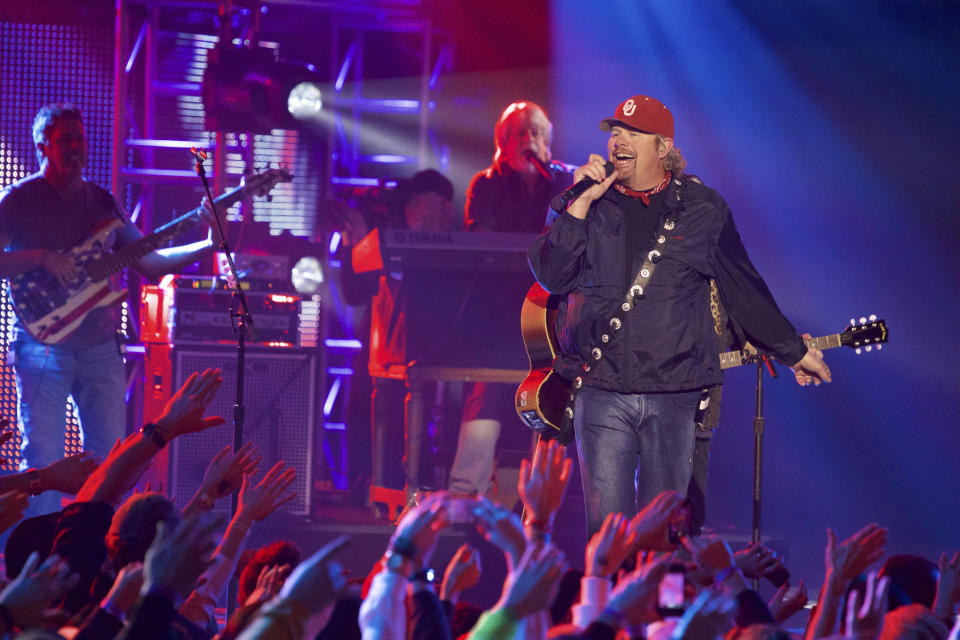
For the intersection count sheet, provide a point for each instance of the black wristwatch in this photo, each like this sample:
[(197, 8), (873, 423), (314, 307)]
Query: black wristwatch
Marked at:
[(149, 430), (424, 575)]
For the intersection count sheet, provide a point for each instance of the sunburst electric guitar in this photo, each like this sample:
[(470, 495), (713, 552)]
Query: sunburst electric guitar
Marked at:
[(50, 311), (542, 397)]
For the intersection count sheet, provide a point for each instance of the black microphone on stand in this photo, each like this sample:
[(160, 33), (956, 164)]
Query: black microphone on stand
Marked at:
[(561, 200)]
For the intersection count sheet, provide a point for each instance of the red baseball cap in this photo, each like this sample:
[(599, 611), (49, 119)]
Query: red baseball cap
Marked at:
[(642, 113)]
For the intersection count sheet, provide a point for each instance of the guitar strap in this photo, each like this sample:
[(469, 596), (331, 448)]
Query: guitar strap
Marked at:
[(635, 292)]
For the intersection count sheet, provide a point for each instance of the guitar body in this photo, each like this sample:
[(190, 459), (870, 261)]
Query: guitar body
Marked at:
[(542, 396), (50, 311)]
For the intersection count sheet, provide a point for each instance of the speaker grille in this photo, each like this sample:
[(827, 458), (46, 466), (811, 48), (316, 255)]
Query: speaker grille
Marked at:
[(279, 399)]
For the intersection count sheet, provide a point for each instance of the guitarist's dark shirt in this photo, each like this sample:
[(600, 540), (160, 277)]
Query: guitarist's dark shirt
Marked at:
[(34, 216)]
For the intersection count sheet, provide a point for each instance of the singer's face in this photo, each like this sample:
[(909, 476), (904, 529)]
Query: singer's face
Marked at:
[(637, 157), (527, 131), (65, 150)]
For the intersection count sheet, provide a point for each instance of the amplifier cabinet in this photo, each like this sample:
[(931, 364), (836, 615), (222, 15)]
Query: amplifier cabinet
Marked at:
[(280, 402)]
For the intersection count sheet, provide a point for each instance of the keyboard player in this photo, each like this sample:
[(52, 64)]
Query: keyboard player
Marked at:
[(511, 195)]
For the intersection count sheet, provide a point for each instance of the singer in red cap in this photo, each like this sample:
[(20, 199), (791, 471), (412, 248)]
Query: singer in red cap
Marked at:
[(42, 216), (633, 257)]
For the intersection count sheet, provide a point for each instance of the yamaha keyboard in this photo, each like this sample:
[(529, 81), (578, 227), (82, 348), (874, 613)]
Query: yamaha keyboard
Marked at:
[(398, 250)]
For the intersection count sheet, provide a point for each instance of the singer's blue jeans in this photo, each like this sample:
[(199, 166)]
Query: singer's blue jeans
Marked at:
[(632, 447)]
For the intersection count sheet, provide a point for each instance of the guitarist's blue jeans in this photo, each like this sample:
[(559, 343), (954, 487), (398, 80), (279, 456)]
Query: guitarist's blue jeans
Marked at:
[(632, 447), (46, 375)]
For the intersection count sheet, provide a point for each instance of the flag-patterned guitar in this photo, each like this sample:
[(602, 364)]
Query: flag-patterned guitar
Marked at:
[(50, 311)]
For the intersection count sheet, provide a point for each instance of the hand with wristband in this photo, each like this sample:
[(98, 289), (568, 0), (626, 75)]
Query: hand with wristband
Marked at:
[(183, 413), (609, 547), (542, 485), (714, 554), (416, 535)]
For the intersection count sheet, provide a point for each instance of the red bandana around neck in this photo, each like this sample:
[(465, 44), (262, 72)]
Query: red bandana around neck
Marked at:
[(644, 195)]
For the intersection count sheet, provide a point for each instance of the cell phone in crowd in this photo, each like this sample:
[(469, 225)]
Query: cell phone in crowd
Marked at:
[(671, 595), (460, 510), (680, 525)]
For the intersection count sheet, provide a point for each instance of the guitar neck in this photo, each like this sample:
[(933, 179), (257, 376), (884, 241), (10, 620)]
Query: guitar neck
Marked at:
[(730, 359), (126, 256)]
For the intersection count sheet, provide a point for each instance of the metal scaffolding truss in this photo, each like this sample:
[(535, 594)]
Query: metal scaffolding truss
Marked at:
[(361, 150)]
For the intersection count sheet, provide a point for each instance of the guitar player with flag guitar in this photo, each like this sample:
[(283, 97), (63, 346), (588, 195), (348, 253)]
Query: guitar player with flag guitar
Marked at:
[(63, 237)]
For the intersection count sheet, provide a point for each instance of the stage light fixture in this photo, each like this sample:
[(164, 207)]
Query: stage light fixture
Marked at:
[(307, 275), (250, 90), (305, 101)]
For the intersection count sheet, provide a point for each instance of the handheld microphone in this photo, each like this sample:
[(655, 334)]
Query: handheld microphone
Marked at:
[(561, 200)]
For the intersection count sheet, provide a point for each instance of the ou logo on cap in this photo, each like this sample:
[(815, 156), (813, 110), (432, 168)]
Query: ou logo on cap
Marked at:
[(629, 107)]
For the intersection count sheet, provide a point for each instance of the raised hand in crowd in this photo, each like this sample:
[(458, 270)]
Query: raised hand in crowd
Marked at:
[(415, 537), (633, 601), (609, 547), (306, 598), (865, 620), (788, 601), (184, 410), (127, 461), (12, 505), (843, 562), (708, 617), (533, 584), (258, 501), (713, 554), (125, 591), (650, 526), (541, 486), (847, 560), (756, 561), (462, 572), (223, 476), (68, 474), (269, 581), (501, 528), (27, 598), (948, 586), (176, 559)]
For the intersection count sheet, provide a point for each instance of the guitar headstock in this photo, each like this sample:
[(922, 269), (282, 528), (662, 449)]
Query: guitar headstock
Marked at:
[(260, 183), (865, 334)]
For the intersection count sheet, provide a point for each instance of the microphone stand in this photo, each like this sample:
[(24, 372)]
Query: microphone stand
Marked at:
[(758, 430), (241, 321)]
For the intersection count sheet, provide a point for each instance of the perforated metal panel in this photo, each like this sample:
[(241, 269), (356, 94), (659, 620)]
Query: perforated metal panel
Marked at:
[(279, 400)]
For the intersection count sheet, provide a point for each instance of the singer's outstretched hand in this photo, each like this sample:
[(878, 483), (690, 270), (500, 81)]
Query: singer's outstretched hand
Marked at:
[(594, 170)]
